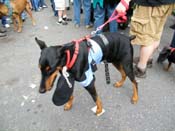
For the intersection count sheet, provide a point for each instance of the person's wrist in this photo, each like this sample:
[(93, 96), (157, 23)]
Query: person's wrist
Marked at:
[(125, 3)]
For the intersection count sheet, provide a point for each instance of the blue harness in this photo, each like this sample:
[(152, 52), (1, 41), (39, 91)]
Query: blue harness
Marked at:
[(95, 54)]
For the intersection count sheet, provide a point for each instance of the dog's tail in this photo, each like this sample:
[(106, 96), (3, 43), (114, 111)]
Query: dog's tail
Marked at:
[(132, 37)]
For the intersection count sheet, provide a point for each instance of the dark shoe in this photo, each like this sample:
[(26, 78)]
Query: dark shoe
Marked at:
[(89, 26), (62, 22), (2, 34), (3, 30), (149, 63), (67, 19), (140, 73), (68, 8), (81, 10)]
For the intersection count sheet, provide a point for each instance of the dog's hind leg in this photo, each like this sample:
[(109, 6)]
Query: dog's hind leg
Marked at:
[(128, 68), (68, 105), (28, 10), (123, 74), (168, 67), (92, 91)]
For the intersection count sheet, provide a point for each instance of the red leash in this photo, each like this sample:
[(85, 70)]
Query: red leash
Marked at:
[(120, 17)]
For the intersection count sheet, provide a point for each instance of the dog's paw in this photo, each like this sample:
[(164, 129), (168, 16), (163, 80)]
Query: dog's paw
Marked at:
[(67, 106), (34, 23), (19, 30), (134, 101), (118, 84), (98, 111)]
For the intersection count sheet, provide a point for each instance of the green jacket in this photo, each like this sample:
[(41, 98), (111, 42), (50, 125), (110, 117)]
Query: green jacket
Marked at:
[(97, 1)]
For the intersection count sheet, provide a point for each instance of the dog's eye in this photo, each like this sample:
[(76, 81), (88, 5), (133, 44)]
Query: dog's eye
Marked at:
[(47, 68)]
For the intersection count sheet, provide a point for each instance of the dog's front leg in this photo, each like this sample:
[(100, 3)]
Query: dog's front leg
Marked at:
[(19, 22), (92, 91), (14, 23), (68, 105)]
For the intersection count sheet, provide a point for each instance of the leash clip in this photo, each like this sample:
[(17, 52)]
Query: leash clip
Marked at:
[(93, 33), (66, 75)]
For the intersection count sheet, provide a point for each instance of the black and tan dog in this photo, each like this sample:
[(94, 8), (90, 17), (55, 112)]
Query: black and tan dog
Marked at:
[(167, 53), (14, 10), (76, 61)]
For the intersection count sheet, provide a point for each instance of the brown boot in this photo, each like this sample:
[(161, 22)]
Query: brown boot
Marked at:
[(140, 73), (149, 63)]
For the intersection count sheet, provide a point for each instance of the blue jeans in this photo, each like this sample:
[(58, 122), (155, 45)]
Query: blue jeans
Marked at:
[(86, 9), (35, 4), (3, 20), (53, 7), (99, 16), (41, 3), (173, 41), (23, 15)]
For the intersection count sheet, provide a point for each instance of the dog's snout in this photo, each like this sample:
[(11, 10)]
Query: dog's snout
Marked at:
[(42, 90)]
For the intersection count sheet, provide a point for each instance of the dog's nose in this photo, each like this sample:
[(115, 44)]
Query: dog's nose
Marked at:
[(42, 90)]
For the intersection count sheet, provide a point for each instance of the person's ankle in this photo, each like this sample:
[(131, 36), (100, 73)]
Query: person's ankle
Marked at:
[(141, 66)]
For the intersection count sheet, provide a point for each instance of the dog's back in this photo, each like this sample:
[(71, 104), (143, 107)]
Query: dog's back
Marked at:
[(119, 46), (18, 5)]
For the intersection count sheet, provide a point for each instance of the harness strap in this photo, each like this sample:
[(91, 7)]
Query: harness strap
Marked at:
[(107, 74), (70, 62), (172, 49), (104, 39)]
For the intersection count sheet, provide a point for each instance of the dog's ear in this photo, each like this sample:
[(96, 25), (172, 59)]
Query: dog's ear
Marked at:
[(41, 43)]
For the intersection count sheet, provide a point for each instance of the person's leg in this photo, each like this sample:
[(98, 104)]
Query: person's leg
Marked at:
[(23, 16), (36, 5), (43, 4), (53, 8), (76, 6), (113, 25), (99, 16), (2, 31), (65, 17), (87, 11), (146, 53)]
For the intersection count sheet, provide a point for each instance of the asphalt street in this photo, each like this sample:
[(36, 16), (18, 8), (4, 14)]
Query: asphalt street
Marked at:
[(22, 108)]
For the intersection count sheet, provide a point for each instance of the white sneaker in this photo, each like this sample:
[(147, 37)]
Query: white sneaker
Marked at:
[(7, 25)]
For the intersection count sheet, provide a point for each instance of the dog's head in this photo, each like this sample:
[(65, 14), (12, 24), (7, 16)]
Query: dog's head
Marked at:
[(51, 62), (3, 10), (166, 51)]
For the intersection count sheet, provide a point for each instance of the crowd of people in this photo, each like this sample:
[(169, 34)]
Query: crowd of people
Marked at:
[(147, 22)]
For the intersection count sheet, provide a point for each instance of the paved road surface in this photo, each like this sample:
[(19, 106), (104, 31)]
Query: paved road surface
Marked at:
[(22, 108)]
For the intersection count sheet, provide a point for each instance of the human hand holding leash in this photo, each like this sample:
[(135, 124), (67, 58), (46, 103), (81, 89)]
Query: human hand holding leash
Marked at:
[(123, 6)]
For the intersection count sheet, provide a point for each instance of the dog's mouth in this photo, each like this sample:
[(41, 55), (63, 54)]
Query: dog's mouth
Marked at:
[(49, 82)]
